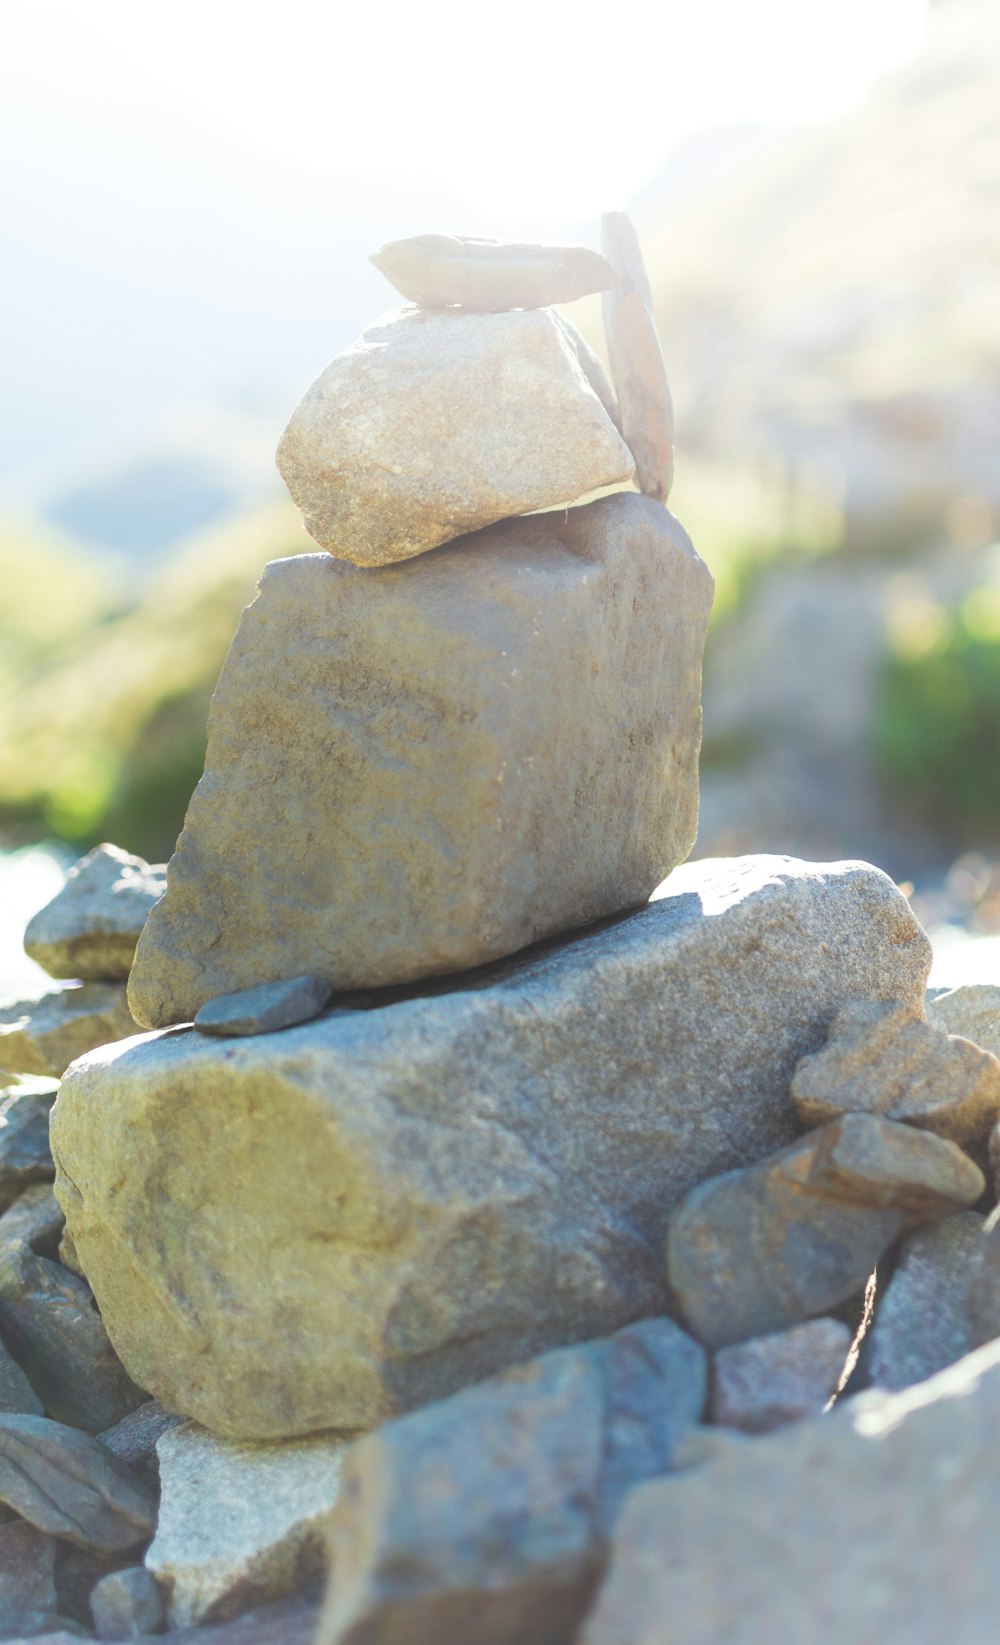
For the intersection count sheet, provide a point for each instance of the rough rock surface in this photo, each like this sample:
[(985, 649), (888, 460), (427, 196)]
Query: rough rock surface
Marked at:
[(922, 1322), (134, 1437), (27, 1572), (884, 1059), (433, 425), (438, 270), (127, 1604), (592, 367), (91, 927), (760, 1249), (264, 1009), (16, 1392), (972, 1011), (875, 1523), (463, 737), (239, 1524), (984, 1284), (44, 1035), (764, 1383), (414, 1197), (69, 1485), (25, 1156), (637, 370), (486, 1516)]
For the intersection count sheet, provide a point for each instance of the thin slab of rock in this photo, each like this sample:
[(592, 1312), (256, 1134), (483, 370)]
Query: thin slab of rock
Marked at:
[(127, 1604), (922, 1323), (44, 1035), (441, 270), (69, 1485), (239, 1524), (487, 1516), (637, 368), (264, 1009), (134, 1437), (875, 1523), (762, 1384), (463, 737), (885, 1059), (414, 1196), (90, 928), (25, 1156), (758, 1250)]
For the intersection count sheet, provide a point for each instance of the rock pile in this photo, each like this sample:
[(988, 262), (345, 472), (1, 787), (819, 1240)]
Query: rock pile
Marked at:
[(476, 1201)]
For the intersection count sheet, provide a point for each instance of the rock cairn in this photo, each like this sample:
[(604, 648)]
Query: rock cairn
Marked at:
[(442, 1291)]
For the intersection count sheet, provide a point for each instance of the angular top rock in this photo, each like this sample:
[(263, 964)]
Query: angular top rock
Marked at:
[(432, 425), (444, 270), (90, 929)]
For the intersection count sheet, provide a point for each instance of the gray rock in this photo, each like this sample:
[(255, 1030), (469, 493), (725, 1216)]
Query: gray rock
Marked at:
[(984, 1284), (78, 1571), (33, 1223), (972, 1011), (66, 1252), (637, 368), (487, 1516), (67, 1484), (757, 1250), (885, 1059), (44, 1035), (764, 1383), (434, 425), (239, 1524), (439, 826), (25, 1156), (27, 1572), (414, 1197), (592, 367), (16, 1392), (289, 1622), (263, 1010), (922, 1323), (126, 1604), (438, 270), (45, 1626), (91, 927), (875, 1523), (133, 1438)]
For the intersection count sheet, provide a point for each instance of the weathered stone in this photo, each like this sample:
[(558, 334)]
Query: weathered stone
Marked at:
[(44, 1627), (874, 1523), (78, 1571), (66, 1252), (25, 1156), (134, 1437), (637, 368), (972, 1011), (984, 1284), (414, 1197), (922, 1323), (27, 1572), (764, 1383), (265, 1009), (239, 1524), (16, 1392), (434, 425), (289, 1622), (757, 1250), (44, 1035), (441, 270), (126, 1604), (487, 1516), (68, 1485), (463, 738), (592, 367), (884, 1059), (33, 1223), (91, 927)]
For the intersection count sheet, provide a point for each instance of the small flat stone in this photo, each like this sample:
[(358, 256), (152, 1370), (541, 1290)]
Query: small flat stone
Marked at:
[(69, 1485), (45, 1034), (762, 1384), (90, 928), (27, 1571), (25, 1155), (922, 1322), (637, 369), (885, 1059), (134, 1437), (126, 1604), (758, 1250), (264, 1009), (445, 270)]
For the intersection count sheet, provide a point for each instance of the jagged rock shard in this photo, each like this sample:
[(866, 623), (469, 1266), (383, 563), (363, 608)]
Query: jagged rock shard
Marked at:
[(638, 371), (417, 770), (441, 270), (413, 1197), (91, 926), (432, 425)]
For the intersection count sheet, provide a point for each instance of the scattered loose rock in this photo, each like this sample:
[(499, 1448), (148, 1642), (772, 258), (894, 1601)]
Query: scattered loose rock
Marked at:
[(44, 1035), (637, 368), (25, 1155), (757, 1250), (265, 1009), (762, 1384), (239, 1524), (91, 927), (438, 270), (68, 1485), (922, 1323), (126, 1605)]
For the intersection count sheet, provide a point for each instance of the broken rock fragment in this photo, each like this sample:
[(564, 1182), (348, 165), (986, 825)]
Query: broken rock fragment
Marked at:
[(440, 270), (90, 928), (44, 1035)]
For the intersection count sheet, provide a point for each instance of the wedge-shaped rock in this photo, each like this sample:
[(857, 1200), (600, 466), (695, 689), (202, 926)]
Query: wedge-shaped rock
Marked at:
[(487, 1516), (91, 927), (885, 1059), (757, 1250), (44, 1035), (420, 769), (437, 270), (67, 1484), (413, 1197), (432, 425), (875, 1523)]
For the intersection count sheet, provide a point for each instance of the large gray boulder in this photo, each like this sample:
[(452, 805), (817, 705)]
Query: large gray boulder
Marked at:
[(419, 769), (409, 1198)]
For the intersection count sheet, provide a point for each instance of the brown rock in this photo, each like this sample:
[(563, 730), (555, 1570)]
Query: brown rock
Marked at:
[(637, 368), (25, 1156), (440, 270), (91, 927)]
